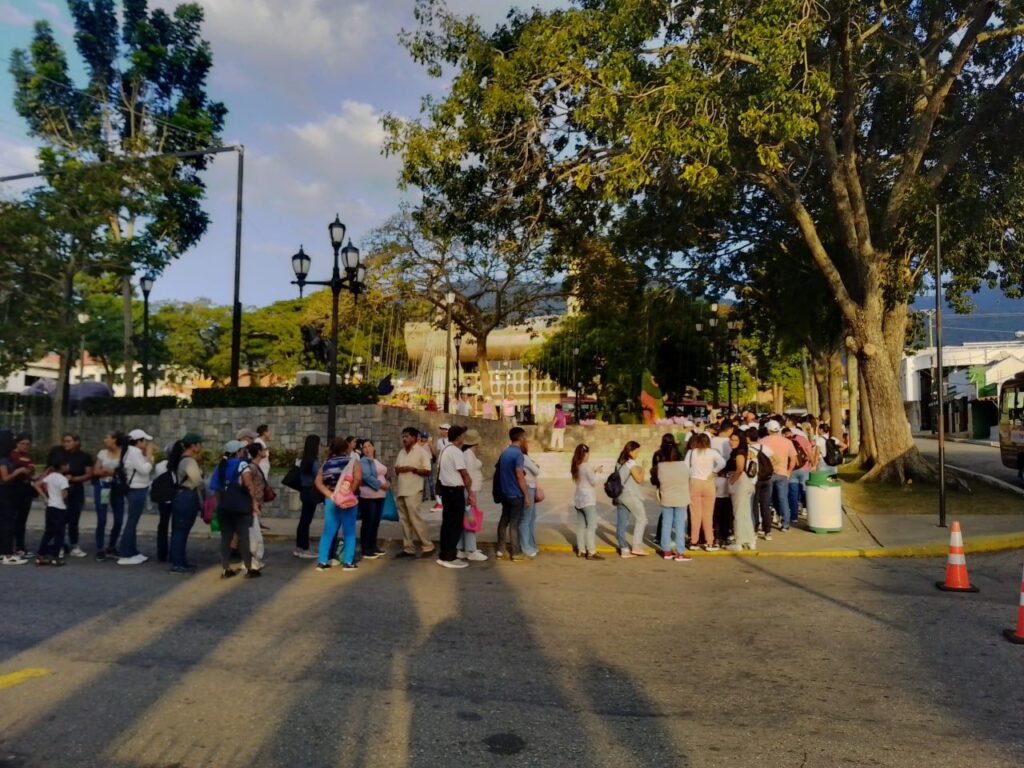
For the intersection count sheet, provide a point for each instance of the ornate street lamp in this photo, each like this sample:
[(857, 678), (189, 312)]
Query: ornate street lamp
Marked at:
[(146, 283), (354, 281), (449, 301)]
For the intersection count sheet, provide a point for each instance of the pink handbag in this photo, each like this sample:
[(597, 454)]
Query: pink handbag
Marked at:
[(344, 496), (473, 520)]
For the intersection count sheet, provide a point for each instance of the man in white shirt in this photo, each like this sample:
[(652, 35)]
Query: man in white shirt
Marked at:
[(263, 437), (440, 444), (411, 466), (454, 483)]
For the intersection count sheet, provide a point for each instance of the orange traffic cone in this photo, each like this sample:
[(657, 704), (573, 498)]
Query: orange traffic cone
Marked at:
[(1017, 635), (956, 565)]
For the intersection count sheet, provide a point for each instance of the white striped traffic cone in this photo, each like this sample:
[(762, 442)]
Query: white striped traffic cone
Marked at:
[(956, 565)]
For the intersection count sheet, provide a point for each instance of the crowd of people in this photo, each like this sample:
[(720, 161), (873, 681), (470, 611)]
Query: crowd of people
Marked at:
[(724, 484)]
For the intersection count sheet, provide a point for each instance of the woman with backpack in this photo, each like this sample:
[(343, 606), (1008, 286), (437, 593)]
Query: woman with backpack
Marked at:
[(236, 505), (340, 472), (106, 496), (704, 464), (741, 491), (830, 454), (188, 498), (761, 457), (629, 502)]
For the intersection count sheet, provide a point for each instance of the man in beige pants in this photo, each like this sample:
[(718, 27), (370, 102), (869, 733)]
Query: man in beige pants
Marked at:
[(411, 466)]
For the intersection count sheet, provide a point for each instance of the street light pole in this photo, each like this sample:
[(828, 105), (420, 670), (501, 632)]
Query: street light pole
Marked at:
[(83, 318), (147, 285), (449, 299), (575, 382), (353, 282), (458, 365), (938, 365)]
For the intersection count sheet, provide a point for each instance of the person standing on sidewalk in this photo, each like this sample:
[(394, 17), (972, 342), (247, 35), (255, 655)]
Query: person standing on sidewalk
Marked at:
[(741, 491), (763, 484), (454, 485), (236, 505), (528, 524), (558, 428), (673, 476), (704, 464), (53, 487), (371, 500), (585, 502), (107, 496), (138, 465), (411, 467), (783, 457), (341, 466), (188, 499), (7, 513), (630, 502), (163, 527), (442, 442), (512, 486), (17, 472), (80, 468), (467, 541), (309, 467), (802, 471)]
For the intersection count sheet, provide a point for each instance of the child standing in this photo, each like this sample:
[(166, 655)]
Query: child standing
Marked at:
[(53, 487)]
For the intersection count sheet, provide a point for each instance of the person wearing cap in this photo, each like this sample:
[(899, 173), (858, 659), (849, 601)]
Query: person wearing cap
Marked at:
[(138, 467), (467, 549), (247, 436), (783, 456), (188, 499), (231, 475)]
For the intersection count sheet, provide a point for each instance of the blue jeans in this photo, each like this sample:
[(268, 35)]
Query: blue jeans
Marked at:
[(136, 506), (184, 510), (528, 525), (621, 524), (780, 495), (116, 505), (797, 487), (335, 518), (673, 517), (586, 529)]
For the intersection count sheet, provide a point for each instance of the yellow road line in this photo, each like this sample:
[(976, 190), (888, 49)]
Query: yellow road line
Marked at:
[(21, 676)]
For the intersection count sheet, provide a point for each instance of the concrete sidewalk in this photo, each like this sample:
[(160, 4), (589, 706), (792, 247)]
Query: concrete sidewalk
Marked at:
[(863, 535)]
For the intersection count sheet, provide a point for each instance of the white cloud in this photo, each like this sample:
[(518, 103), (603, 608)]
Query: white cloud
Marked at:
[(11, 15), (357, 123)]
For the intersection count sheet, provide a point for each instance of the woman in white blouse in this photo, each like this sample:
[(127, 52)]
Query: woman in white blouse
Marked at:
[(704, 464), (528, 523), (467, 543), (585, 501)]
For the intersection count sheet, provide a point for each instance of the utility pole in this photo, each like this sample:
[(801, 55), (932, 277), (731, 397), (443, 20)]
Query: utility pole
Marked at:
[(938, 364)]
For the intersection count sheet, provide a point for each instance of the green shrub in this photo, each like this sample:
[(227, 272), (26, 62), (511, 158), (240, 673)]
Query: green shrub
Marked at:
[(262, 397), (127, 406)]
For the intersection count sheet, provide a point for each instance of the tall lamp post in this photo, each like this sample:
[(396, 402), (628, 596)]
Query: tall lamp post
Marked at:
[(458, 365), (449, 300), (353, 282), (575, 382), (146, 283)]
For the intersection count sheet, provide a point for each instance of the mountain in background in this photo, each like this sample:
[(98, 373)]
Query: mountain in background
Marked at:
[(995, 318)]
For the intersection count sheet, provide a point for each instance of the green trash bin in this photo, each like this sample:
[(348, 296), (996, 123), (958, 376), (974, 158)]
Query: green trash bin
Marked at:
[(820, 479)]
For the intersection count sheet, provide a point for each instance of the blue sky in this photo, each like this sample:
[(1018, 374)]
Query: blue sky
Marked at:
[(306, 82)]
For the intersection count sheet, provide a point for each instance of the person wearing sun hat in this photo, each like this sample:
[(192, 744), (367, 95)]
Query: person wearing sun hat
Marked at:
[(467, 543), (784, 461)]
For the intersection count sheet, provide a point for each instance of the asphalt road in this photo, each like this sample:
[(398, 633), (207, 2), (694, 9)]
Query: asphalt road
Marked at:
[(721, 662), (978, 458)]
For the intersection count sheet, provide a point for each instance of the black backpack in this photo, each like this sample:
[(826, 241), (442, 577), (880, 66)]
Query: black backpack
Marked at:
[(613, 485), (164, 488), (833, 456), (765, 470), (119, 481), (496, 484)]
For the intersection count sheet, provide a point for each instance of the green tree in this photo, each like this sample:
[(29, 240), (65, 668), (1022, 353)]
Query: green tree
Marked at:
[(885, 108), (145, 94)]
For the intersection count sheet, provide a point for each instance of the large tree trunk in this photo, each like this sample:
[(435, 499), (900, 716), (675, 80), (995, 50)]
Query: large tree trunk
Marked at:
[(835, 392), (482, 368), (853, 388), (820, 373), (129, 362), (778, 397), (866, 452)]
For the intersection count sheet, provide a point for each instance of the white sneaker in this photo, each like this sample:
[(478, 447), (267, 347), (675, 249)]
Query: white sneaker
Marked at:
[(461, 554), (134, 560), (453, 563), (12, 560), (477, 556), (303, 554), (76, 551)]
